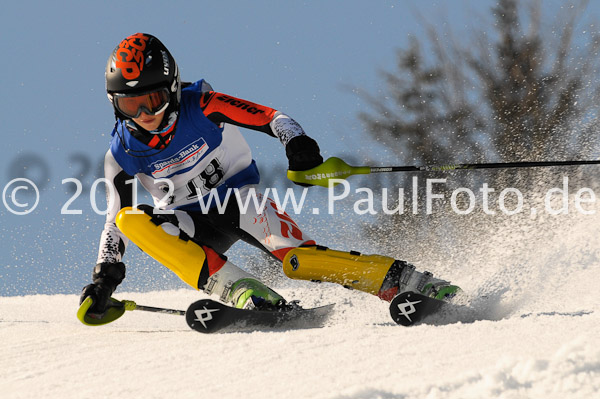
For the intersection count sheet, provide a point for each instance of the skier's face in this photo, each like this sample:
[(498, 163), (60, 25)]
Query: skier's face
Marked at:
[(149, 122)]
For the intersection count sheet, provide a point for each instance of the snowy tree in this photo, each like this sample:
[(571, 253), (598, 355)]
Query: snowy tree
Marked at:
[(518, 89)]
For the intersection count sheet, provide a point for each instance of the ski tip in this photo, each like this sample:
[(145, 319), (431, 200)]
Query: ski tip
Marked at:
[(409, 308), (205, 315)]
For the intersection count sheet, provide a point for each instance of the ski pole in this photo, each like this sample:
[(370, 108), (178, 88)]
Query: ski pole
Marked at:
[(115, 310), (335, 168), (131, 305)]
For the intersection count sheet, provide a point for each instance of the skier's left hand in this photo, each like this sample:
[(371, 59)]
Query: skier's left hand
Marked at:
[(303, 153)]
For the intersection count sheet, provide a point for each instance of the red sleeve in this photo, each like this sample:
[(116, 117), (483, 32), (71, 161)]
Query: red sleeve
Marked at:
[(222, 108)]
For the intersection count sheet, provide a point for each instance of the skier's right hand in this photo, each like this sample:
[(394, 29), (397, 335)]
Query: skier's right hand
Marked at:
[(106, 277), (100, 294)]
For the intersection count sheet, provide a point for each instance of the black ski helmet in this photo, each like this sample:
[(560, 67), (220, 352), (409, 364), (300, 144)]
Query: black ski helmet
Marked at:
[(141, 64)]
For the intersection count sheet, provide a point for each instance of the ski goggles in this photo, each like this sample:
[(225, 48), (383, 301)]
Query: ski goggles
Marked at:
[(132, 106)]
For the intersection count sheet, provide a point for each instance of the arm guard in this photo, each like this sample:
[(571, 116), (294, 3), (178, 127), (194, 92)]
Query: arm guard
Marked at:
[(112, 241)]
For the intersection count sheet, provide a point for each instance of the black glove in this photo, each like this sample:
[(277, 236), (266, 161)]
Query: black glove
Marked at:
[(303, 153), (106, 277)]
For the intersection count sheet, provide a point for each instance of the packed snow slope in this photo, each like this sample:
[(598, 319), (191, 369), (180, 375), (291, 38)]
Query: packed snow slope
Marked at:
[(530, 331)]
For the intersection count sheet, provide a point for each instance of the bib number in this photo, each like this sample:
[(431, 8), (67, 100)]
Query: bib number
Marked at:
[(208, 179)]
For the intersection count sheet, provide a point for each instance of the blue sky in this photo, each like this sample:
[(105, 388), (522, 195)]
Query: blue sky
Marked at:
[(302, 57)]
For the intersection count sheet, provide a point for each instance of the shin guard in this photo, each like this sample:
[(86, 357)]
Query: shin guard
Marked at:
[(170, 246), (350, 269)]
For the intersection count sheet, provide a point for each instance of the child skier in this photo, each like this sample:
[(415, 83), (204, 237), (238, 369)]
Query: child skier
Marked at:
[(181, 142)]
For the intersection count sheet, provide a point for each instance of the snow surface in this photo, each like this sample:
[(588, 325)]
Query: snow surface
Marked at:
[(530, 331)]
